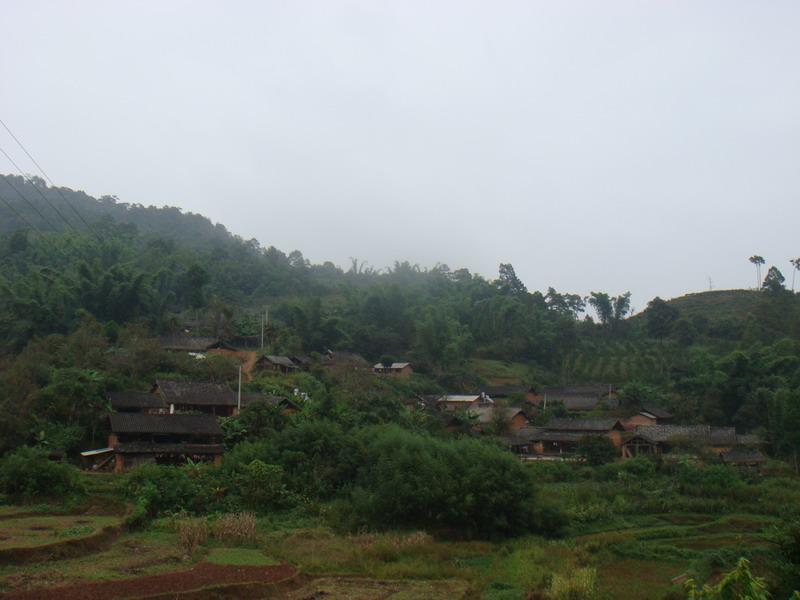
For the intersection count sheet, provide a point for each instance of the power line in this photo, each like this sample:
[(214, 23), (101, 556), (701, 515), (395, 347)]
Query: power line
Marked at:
[(50, 181), (45, 198), (21, 216), (31, 204)]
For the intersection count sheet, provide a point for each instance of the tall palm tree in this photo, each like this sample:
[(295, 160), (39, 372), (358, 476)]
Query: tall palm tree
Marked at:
[(757, 261), (796, 264)]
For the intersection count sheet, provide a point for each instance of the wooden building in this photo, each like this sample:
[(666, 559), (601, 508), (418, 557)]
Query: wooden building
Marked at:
[(655, 440), (398, 369), (187, 396), (563, 436), (137, 402), (651, 415), (451, 402), (163, 439), (191, 344), (513, 417), (279, 364)]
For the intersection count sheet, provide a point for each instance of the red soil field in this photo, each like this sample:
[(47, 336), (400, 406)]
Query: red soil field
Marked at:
[(201, 576)]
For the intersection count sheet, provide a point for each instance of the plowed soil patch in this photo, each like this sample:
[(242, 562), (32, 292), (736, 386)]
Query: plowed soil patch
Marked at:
[(201, 576)]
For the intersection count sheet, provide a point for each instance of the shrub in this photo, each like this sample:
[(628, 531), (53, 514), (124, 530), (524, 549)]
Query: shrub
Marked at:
[(261, 486), (192, 533), (158, 490), (235, 528), (464, 486), (581, 584), (597, 450), (27, 474)]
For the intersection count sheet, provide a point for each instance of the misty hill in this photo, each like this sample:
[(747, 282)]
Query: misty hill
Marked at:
[(44, 207)]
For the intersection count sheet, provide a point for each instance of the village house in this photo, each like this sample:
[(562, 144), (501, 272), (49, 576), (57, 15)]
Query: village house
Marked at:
[(211, 398), (279, 364), (651, 415), (137, 402), (302, 361), (489, 415), (192, 345), (161, 439), (563, 436), (579, 398), (398, 369), (451, 402), (746, 459), (655, 440)]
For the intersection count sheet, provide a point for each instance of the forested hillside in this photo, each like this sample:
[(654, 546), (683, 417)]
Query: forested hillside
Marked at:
[(82, 308), (726, 357)]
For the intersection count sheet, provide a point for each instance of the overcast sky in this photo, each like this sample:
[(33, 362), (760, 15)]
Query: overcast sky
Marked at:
[(614, 146)]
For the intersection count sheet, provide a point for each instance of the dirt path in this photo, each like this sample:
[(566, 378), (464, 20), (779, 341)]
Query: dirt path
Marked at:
[(201, 576), (247, 358)]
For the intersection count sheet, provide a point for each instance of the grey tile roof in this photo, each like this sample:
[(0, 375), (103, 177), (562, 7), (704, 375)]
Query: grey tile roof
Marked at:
[(486, 412), (283, 361), (742, 456), (124, 400), (196, 393), (164, 424), (696, 434), (656, 411), (601, 424), (187, 343)]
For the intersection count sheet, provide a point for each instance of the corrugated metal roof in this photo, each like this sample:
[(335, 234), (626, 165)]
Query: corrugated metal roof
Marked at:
[(167, 424), (466, 398)]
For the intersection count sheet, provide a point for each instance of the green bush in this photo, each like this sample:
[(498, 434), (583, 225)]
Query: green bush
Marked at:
[(464, 487), (27, 474), (597, 450)]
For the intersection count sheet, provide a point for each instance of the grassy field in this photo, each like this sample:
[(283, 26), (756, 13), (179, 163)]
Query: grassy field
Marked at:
[(499, 372), (629, 539), (26, 532)]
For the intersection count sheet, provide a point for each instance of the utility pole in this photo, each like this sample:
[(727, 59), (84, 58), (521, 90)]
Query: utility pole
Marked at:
[(239, 395)]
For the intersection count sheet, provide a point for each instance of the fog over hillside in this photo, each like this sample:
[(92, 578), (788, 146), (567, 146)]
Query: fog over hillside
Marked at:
[(618, 145)]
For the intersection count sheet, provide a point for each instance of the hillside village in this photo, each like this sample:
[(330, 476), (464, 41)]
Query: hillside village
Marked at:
[(185, 411), (175, 422)]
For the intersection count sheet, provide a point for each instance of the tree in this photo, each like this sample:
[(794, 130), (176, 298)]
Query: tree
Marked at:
[(597, 449), (602, 305), (739, 584), (660, 318), (773, 282), (796, 264), (757, 261), (508, 282), (622, 304)]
